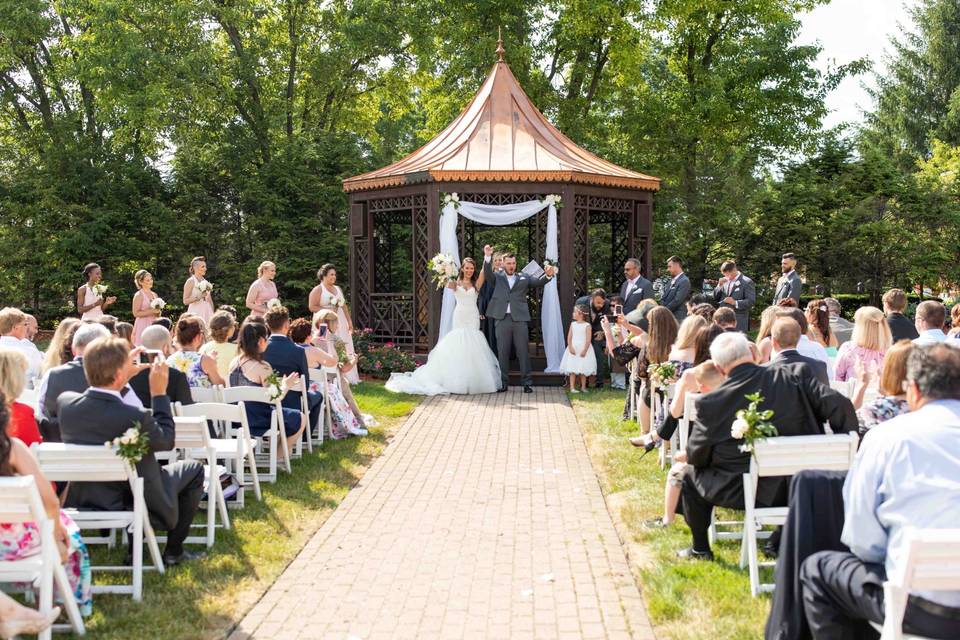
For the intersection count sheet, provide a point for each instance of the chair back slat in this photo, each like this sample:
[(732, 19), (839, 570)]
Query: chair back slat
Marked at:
[(20, 500), (786, 455), (689, 416), (213, 394), (845, 387), (191, 433), (233, 395), (81, 463), (933, 560), (214, 411)]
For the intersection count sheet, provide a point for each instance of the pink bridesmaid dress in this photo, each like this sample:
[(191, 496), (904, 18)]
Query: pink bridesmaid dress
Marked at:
[(202, 308), (265, 290), (343, 328), (89, 297), (143, 322)]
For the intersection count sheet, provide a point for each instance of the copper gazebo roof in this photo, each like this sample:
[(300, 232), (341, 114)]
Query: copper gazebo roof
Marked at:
[(501, 137)]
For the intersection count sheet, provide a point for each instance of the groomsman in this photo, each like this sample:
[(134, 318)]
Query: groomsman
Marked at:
[(789, 285), (636, 287), (736, 291), (676, 294)]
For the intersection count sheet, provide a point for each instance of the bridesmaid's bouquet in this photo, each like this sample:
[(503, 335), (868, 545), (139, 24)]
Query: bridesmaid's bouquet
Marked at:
[(204, 287), (158, 304), (273, 304), (99, 289), (338, 301), (444, 269)]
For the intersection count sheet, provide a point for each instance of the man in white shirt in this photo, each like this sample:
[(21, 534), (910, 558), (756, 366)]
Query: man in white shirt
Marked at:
[(905, 476), (929, 322), (806, 346), (636, 288), (13, 335)]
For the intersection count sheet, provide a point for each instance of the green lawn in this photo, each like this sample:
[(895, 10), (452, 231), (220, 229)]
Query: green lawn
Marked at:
[(204, 599), (686, 600)]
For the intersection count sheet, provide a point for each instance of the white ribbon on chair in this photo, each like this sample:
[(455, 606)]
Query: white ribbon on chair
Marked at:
[(499, 215)]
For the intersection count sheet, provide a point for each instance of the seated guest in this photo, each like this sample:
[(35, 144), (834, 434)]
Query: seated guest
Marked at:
[(904, 477), (839, 326), (19, 540), (818, 325), (66, 377), (125, 331), (13, 335), (806, 346), (801, 406), (705, 311), (871, 339), (785, 336), (110, 322), (201, 370), (929, 323), (156, 338), (894, 304), (285, 357), (347, 421), (100, 414), (763, 340), (705, 338), (249, 369), (684, 350), (58, 351), (325, 338), (892, 399), (725, 318), (223, 326), (954, 322), (703, 378), (32, 327), (599, 307), (696, 300), (166, 323), (13, 379)]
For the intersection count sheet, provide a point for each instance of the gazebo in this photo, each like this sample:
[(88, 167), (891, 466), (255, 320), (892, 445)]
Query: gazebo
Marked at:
[(499, 151)]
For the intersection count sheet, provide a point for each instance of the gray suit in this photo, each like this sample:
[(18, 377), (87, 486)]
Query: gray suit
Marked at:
[(675, 296), (633, 297), (744, 294), (788, 287), (511, 328), (66, 377)]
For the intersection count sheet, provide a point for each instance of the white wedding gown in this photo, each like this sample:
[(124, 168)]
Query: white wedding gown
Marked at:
[(462, 361)]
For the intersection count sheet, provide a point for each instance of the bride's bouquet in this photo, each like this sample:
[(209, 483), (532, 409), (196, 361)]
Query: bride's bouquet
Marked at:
[(158, 304), (444, 269)]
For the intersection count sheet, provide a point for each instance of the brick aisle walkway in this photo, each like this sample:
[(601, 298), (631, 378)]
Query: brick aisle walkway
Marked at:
[(482, 519)]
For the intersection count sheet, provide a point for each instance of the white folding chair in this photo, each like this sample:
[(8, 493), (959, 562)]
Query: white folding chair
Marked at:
[(212, 394), (238, 447), (89, 463), (663, 406), (30, 397), (931, 563), (193, 438), (323, 427), (302, 387), (632, 384), (845, 387), (785, 456), (275, 438), (20, 502)]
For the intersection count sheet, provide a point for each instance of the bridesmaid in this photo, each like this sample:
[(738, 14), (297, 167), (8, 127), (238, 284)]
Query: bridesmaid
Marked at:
[(142, 311), (324, 296), (89, 304), (263, 289), (200, 304)]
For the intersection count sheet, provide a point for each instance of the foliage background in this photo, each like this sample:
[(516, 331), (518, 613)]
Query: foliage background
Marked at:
[(139, 133)]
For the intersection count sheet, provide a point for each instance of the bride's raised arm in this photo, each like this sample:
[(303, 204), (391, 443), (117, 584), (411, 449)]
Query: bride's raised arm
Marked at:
[(480, 280)]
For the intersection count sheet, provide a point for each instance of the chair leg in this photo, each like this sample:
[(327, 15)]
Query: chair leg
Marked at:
[(253, 471), (222, 505), (46, 576), (69, 601), (212, 482), (137, 550), (152, 546)]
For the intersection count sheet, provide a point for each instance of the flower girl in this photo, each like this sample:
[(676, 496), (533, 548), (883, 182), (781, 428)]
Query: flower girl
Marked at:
[(579, 359)]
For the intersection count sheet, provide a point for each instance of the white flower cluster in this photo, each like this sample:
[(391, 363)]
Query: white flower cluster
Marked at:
[(99, 289), (274, 391), (451, 197), (551, 263), (338, 301), (130, 436), (158, 303), (204, 287), (551, 199), (273, 304), (739, 428)]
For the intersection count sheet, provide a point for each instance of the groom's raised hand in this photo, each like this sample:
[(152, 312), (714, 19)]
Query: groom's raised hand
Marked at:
[(487, 250)]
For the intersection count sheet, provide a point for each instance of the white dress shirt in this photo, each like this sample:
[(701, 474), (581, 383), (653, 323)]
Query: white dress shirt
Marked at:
[(511, 280), (128, 397), (905, 476), (815, 350), (27, 348), (930, 336)]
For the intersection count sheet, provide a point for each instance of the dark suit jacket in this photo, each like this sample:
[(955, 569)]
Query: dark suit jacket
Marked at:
[(94, 417), (503, 295), (66, 377), (802, 365), (800, 404), (675, 296), (595, 316), (641, 292), (788, 287), (178, 389), (901, 328), (286, 357), (744, 296)]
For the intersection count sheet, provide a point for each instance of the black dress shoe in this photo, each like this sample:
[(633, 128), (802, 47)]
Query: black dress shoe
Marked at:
[(502, 390), (527, 388), (183, 556), (692, 554)]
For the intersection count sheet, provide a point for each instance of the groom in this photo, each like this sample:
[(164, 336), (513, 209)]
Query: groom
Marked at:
[(508, 307)]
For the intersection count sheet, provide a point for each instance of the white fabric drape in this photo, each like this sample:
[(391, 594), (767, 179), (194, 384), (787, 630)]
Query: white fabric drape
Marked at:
[(498, 215)]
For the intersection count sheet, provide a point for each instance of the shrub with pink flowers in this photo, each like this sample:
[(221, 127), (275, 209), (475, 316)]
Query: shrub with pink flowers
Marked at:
[(379, 361)]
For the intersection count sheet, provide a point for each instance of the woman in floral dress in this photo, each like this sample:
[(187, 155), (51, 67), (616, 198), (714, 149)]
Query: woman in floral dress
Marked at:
[(21, 540), (201, 370), (328, 296), (892, 399)]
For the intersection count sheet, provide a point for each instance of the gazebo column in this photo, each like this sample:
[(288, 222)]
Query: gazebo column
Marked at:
[(643, 235), (567, 256), (433, 248)]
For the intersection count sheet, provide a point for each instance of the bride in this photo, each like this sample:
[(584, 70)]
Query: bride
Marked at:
[(462, 362)]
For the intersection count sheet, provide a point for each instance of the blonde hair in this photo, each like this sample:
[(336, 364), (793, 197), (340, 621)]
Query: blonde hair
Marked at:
[(60, 344), (325, 315), (10, 317), (13, 374), (139, 276), (194, 262), (870, 329), (687, 334), (767, 318), (707, 374), (895, 368), (263, 267)]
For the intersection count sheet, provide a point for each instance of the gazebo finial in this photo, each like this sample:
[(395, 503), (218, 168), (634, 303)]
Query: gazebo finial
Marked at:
[(500, 50)]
